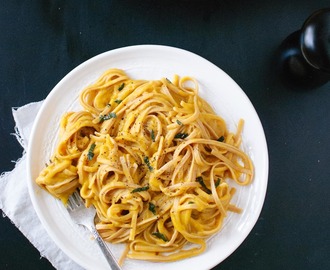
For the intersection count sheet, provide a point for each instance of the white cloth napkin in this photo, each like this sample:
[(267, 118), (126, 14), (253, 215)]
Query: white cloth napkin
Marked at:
[(15, 182)]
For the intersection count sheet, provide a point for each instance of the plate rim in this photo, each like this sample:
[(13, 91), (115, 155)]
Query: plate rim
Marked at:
[(123, 50)]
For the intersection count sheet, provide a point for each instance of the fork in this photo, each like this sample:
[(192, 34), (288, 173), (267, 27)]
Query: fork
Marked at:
[(85, 217)]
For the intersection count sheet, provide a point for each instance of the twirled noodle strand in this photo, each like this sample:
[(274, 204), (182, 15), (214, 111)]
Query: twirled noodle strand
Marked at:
[(154, 160)]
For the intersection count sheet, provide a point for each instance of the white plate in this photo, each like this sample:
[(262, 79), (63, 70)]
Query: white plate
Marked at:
[(149, 62)]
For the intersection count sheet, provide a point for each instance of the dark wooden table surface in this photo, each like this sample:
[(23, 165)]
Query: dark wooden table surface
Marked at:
[(41, 41)]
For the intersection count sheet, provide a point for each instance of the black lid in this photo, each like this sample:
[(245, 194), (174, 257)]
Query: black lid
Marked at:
[(315, 39)]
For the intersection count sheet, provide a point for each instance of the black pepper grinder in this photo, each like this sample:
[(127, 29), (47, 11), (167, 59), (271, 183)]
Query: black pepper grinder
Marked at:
[(304, 56)]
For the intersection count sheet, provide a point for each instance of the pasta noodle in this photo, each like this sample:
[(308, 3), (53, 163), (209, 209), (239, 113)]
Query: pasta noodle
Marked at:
[(155, 161)]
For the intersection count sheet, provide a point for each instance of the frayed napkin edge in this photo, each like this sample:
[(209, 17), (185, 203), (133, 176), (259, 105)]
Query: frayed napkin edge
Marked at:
[(18, 129), (4, 178), (65, 261)]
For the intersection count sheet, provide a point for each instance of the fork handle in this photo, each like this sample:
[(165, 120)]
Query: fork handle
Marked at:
[(105, 250)]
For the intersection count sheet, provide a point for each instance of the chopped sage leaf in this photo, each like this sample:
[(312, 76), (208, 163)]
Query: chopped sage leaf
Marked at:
[(221, 139), (200, 180), (160, 236), (90, 154), (108, 105), (147, 162), (108, 116), (145, 188), (49, 162), (121, 87), (217, 183), (179, 122), (152, 134), (118, 101), (152, 208), (181, 136)]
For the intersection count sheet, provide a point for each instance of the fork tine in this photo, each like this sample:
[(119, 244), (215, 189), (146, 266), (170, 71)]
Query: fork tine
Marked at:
[(75, 201), (78, 198), (85, 217)]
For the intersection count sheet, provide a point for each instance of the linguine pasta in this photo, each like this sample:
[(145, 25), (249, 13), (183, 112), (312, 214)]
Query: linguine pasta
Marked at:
[(154, 160)]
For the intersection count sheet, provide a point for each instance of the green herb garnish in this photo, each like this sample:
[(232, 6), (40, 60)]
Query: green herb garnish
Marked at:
[(108, 105), (217, 183), (152, 208), (118, 101), (108, 116), (200, 180), (221, 139), (179, 122), (160, 236), (121, 87), (90, 154), (145, 188), (181, 136), (147, 162), (152, 134), (49, 162)]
